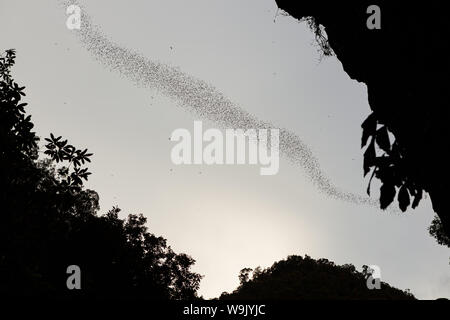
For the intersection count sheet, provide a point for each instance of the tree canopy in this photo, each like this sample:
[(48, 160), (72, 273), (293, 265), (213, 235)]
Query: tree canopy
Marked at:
[(298, 278), (49, 221)]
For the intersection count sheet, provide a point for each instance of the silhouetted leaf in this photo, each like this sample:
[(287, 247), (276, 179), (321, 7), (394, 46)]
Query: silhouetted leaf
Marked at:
[(370, 181), (387, 195), (403, 198), (383, 139), (417, 198), (369, 157), (369, 127)]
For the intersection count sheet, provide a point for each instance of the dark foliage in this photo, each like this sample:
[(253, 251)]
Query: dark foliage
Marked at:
[(298, 278), (49, 221), (437, 231), (406, 135)]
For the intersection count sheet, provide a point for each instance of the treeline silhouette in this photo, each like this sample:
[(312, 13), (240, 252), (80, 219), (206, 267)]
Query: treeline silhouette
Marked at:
[(304, 278), (49, 221)]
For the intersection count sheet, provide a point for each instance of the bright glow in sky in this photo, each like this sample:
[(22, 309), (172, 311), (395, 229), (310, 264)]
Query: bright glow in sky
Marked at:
[(226, 217)]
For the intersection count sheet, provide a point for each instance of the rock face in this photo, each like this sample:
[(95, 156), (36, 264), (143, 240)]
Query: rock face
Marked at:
[(405, 66)]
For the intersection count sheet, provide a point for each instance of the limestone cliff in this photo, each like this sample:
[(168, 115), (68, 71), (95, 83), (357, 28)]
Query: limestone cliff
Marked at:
[(405, 66)]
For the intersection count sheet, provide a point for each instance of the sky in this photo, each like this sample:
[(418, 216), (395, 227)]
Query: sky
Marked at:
[(226, 217)]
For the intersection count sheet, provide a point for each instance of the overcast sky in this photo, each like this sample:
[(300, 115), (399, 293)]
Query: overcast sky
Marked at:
[(226, 217)]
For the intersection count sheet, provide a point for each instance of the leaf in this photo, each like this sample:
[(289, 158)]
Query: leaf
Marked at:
[(370, 181), (417, 198), (369, 157), (387, 195), (382, 139), (68, 149), (403, 198), (21, 106), (369, 127)]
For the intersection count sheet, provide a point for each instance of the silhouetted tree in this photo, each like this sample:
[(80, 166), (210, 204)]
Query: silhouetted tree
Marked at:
[(437, 231), (48, 221), (305, 278)]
